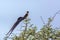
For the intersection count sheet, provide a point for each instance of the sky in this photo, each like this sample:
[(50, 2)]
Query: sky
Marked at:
[(10, 10)]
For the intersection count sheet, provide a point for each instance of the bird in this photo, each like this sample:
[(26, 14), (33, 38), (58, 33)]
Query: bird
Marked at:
[(17, 22)]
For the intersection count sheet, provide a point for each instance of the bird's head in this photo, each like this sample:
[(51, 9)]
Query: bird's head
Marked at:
[(27, 11)]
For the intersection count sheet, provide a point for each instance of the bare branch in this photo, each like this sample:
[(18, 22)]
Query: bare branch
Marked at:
[(55, 14), (42, 19)]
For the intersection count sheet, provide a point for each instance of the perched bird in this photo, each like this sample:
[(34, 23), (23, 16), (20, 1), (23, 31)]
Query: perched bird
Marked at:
[(17, 22)]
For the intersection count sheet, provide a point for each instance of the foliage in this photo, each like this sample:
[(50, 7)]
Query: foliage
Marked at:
[(45, 33)]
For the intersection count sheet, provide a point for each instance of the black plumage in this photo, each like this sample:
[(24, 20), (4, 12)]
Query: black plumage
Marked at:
[(17, 22)]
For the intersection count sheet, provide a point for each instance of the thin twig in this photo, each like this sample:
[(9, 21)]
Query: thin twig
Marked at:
[(55, 14), (25, 30), (42, 19)]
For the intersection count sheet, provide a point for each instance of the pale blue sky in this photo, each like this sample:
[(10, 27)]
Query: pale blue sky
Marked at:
[(10, 10)]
